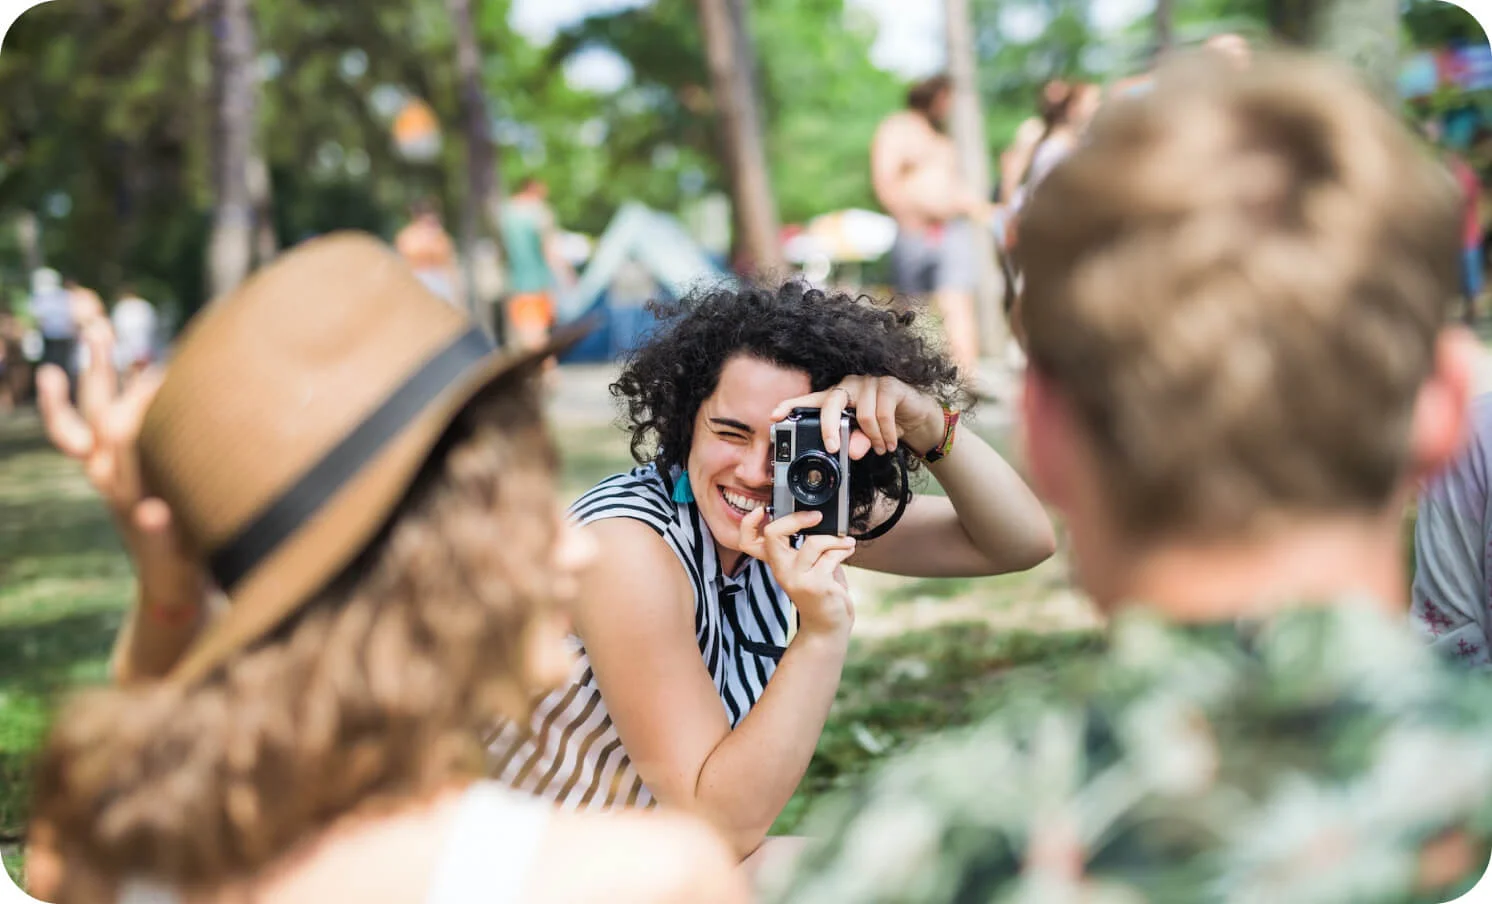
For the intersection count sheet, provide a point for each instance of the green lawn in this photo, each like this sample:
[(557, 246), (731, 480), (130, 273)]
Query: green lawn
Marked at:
[(931, 652)]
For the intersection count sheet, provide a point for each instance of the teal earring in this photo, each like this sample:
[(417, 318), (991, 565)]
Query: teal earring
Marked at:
[(682, 491)]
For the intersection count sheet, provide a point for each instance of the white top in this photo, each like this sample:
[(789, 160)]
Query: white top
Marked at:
[(490, 849), (570, 752)]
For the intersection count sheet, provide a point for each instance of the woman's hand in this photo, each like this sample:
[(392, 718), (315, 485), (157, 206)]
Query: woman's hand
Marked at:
[(100, 433), (812, 575), (887, 412)]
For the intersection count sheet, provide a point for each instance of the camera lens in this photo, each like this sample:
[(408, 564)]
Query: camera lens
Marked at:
[(813, 478)]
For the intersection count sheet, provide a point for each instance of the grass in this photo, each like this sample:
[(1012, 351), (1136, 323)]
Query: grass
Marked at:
[(65, 581)]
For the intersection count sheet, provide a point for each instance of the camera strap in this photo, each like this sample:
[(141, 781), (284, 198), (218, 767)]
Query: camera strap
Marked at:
[(881, 529)]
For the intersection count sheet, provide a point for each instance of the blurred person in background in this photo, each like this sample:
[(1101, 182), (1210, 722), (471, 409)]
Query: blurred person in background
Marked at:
[(1452, 602), (915, 173), (136, 334), (1237, 298), (1017, 157), (691, 690), (397, 575), (537, 267), (51, 307), (427, 247), (1065, 122)]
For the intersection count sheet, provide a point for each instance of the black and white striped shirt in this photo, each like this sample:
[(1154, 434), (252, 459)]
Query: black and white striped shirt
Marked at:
[(570, 752)]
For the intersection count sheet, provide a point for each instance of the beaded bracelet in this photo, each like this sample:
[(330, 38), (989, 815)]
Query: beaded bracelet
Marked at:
[(950, 425)]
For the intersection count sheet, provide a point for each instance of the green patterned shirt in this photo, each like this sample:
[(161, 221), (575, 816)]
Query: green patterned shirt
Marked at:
[(1311, 757)]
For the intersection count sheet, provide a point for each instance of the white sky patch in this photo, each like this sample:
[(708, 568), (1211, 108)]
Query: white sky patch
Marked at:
[(1112, 15), (597, 69), (1023, 24), (909, 41), (540, 20)]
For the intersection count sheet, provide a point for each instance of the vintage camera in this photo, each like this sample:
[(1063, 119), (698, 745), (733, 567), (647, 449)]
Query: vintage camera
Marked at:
[(807, 478)]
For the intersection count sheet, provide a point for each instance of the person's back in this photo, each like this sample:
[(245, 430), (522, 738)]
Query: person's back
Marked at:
[(1235, 309), (1318, 755), (483, 844)]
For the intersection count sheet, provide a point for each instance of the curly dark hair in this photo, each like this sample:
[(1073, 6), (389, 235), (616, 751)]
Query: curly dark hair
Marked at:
[(828, 336)]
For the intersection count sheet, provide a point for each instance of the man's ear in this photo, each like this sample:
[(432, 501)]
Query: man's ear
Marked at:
[(1442, 409)]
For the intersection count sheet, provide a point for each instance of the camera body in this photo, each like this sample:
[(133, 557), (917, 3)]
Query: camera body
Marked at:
[(805, 477)]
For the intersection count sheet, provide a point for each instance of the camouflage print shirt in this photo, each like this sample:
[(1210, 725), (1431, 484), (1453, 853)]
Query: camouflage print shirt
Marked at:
[(1323, 755)]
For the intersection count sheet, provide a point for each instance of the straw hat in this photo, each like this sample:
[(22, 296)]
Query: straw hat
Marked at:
[(293, 417)]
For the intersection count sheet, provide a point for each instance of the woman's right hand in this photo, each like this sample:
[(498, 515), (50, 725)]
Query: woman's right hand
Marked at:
[(812, 575), (100, 433)]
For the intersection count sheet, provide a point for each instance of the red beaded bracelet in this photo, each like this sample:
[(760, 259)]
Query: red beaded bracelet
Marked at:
[(950, 424)]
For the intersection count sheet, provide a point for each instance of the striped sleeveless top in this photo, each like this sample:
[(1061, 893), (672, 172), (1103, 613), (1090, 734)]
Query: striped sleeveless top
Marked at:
[(570, 752)]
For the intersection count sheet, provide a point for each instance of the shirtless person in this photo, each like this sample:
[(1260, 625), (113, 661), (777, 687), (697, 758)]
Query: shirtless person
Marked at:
[(914, 170)]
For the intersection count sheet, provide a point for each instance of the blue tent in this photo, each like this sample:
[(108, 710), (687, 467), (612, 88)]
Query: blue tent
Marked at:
[(643, 254)]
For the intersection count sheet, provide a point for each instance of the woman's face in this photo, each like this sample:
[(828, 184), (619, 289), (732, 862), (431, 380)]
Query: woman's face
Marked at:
[(729, 463)]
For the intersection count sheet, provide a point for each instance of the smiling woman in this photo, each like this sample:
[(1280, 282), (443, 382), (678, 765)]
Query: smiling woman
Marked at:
[(691, 688)]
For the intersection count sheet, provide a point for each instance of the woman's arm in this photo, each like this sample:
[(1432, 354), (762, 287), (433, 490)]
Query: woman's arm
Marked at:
[(990, 522), (636, 620), (170, 607)]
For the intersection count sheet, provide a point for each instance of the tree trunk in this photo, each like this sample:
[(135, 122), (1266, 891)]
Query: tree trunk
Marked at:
[(234, 100), (967, 127), (28, 236), (1165, 25), (728, 48), (1364, 33), (261, 195), (483, 196)]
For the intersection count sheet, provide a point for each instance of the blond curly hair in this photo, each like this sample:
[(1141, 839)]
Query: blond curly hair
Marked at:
[(1237, 281), (377, 691)]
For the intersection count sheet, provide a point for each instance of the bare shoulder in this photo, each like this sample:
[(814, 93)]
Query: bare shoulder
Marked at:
[(634, 857), (632, 551)]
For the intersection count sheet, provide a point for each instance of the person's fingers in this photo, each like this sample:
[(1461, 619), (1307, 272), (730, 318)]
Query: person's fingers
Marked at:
[(815, 547), (152, 516), (65, 427), (97, 385), (836, 401), (796, 522), (859, 445), (885, 415), (752, 542), (865, 416), (119, 432), (829, 562), (812, 400)]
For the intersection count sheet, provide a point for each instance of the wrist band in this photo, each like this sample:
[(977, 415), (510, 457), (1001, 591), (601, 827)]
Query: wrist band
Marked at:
[(950, 425)]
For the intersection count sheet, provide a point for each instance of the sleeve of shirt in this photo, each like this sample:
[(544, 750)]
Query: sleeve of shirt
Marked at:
[(1450, 544)]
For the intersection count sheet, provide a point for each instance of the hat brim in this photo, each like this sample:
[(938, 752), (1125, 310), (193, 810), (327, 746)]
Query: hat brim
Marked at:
[(327, 542)]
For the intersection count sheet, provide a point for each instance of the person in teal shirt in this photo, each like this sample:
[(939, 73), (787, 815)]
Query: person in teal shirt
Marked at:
[(536, 266)]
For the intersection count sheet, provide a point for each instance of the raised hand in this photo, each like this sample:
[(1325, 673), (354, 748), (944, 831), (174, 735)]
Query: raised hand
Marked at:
[(101, 433)]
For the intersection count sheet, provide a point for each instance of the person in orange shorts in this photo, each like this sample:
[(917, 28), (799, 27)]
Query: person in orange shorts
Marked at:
[(536, 268)]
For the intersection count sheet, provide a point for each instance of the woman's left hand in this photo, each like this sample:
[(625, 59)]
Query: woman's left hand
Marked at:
[(887, 411)]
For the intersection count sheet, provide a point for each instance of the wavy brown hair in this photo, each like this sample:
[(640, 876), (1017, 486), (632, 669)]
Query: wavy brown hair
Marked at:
[(377, 692)]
